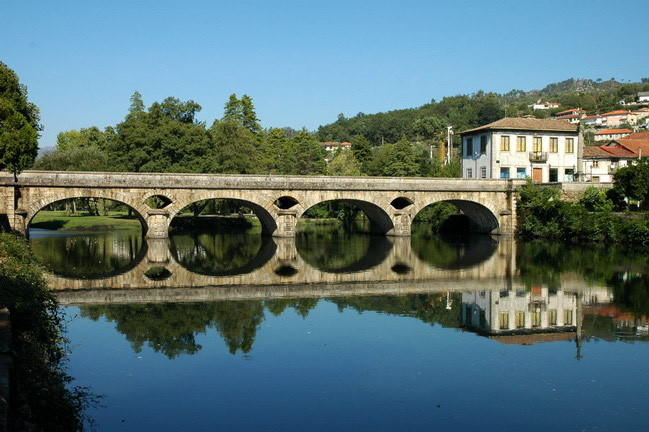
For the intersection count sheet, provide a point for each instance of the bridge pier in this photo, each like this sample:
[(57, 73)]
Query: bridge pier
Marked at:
[(286, 221), (401, 221), (156, 224)]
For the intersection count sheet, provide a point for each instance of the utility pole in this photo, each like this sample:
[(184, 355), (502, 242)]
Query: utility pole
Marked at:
[(449, 132)]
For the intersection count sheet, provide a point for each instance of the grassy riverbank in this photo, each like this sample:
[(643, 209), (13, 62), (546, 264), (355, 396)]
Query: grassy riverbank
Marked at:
[(59, 220), (41, 399)]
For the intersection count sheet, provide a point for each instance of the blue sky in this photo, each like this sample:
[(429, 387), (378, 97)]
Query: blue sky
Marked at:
[(304, 62)]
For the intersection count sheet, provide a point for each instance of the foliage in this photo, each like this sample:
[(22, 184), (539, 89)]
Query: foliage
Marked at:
[(41, 397), (344, 164), (543, 215), (633, 182), (435, 214), (19, 124)]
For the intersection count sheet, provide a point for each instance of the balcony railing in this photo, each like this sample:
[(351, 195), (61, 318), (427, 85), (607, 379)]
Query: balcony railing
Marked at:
[(538, 156)]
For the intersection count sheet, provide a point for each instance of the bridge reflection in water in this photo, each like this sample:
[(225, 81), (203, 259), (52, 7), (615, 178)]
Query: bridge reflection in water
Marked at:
[(393, 268)]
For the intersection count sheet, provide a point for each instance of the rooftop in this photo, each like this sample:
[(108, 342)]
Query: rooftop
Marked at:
[(614, 131), (526, 124)]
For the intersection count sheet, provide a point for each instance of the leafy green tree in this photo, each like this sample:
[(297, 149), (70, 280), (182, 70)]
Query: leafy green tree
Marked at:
[(344, 164), (236, 149), (633, 182), (309, 155), (242, 111), (362, 151), (277, 154), (85, 158), (19, 124), (395, 160)]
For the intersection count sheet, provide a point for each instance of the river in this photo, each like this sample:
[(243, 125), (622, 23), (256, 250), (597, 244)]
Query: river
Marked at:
[(331, 331)]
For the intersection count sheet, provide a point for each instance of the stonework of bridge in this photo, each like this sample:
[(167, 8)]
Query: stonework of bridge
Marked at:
[(278, 270), (278, 201)]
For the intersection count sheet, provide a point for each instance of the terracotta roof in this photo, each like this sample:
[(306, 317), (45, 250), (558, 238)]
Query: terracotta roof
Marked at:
[(619, 151), (637, 143), (614, 131), (524, 124), (577, 110), (595, 152), (618, 112)]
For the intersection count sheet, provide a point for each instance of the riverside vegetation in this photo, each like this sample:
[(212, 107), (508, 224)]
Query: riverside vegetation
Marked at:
[(41, 396)]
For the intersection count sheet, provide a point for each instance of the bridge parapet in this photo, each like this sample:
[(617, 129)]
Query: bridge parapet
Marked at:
[(490, 203)]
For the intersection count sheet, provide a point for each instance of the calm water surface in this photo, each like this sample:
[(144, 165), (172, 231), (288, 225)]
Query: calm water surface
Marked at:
[(349, 333)]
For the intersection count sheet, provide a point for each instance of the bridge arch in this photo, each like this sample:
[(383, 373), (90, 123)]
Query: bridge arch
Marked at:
[(265, 213), (483, 219), (139, 209), (380, 220)]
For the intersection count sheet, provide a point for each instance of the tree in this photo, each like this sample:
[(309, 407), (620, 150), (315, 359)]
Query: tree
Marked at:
[(19, 124), (242, 111), (633, 182), (236, 149), (344, 164), (309, 155), (362, 151)]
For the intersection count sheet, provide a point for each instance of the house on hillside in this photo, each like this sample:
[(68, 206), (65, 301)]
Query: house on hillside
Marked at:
[(611, 134), (335, 145), (600, 163), (643, 97), (546, 150), (545, 105), (637, 142), (617, 118), (573, 115), (592, 121)]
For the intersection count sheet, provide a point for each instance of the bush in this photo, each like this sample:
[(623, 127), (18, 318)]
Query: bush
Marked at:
[(40, 399)]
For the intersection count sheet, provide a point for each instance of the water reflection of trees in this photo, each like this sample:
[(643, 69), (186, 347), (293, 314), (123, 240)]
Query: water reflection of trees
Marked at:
[(89, 256), (341, 251), (172, 328), (454, 251), (218, 254), (545, 262)]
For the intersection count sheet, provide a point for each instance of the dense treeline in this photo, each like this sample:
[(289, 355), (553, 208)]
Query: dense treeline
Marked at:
[(462, 112)]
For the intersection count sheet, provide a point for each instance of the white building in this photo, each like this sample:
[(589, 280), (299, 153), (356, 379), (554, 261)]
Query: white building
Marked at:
[(545, 150), (519, 310)]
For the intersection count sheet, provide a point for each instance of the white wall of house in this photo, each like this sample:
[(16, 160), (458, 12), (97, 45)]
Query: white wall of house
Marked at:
[(497, 162)]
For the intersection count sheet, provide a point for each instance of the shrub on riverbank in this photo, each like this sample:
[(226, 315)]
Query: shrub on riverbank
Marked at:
[(40, 399), (542, 214)]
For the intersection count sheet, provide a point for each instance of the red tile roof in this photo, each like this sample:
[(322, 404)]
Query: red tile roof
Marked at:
[(571, 110), (637, 143), (614, 131), (526, 124), (614, 113)]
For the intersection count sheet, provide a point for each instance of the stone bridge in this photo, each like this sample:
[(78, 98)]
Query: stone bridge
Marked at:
[(278, 201), (278, 270)]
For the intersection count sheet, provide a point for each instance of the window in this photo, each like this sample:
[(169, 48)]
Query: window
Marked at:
[(536, 319), (538, 145), (469, 147), (469, 173), (504, 143), (520, 173), (521, 146), (554, 175), (504, 320), (554, 144), (504, 172), (483, 144), (520, 319), (483, 172), (567, 317), (569, 175), (552, 317), (570, 145)]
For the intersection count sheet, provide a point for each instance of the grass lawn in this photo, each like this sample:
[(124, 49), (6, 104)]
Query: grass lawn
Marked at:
[(58, 220)]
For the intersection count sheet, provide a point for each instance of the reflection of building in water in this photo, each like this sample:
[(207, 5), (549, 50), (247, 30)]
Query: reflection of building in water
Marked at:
[(518, 311)]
